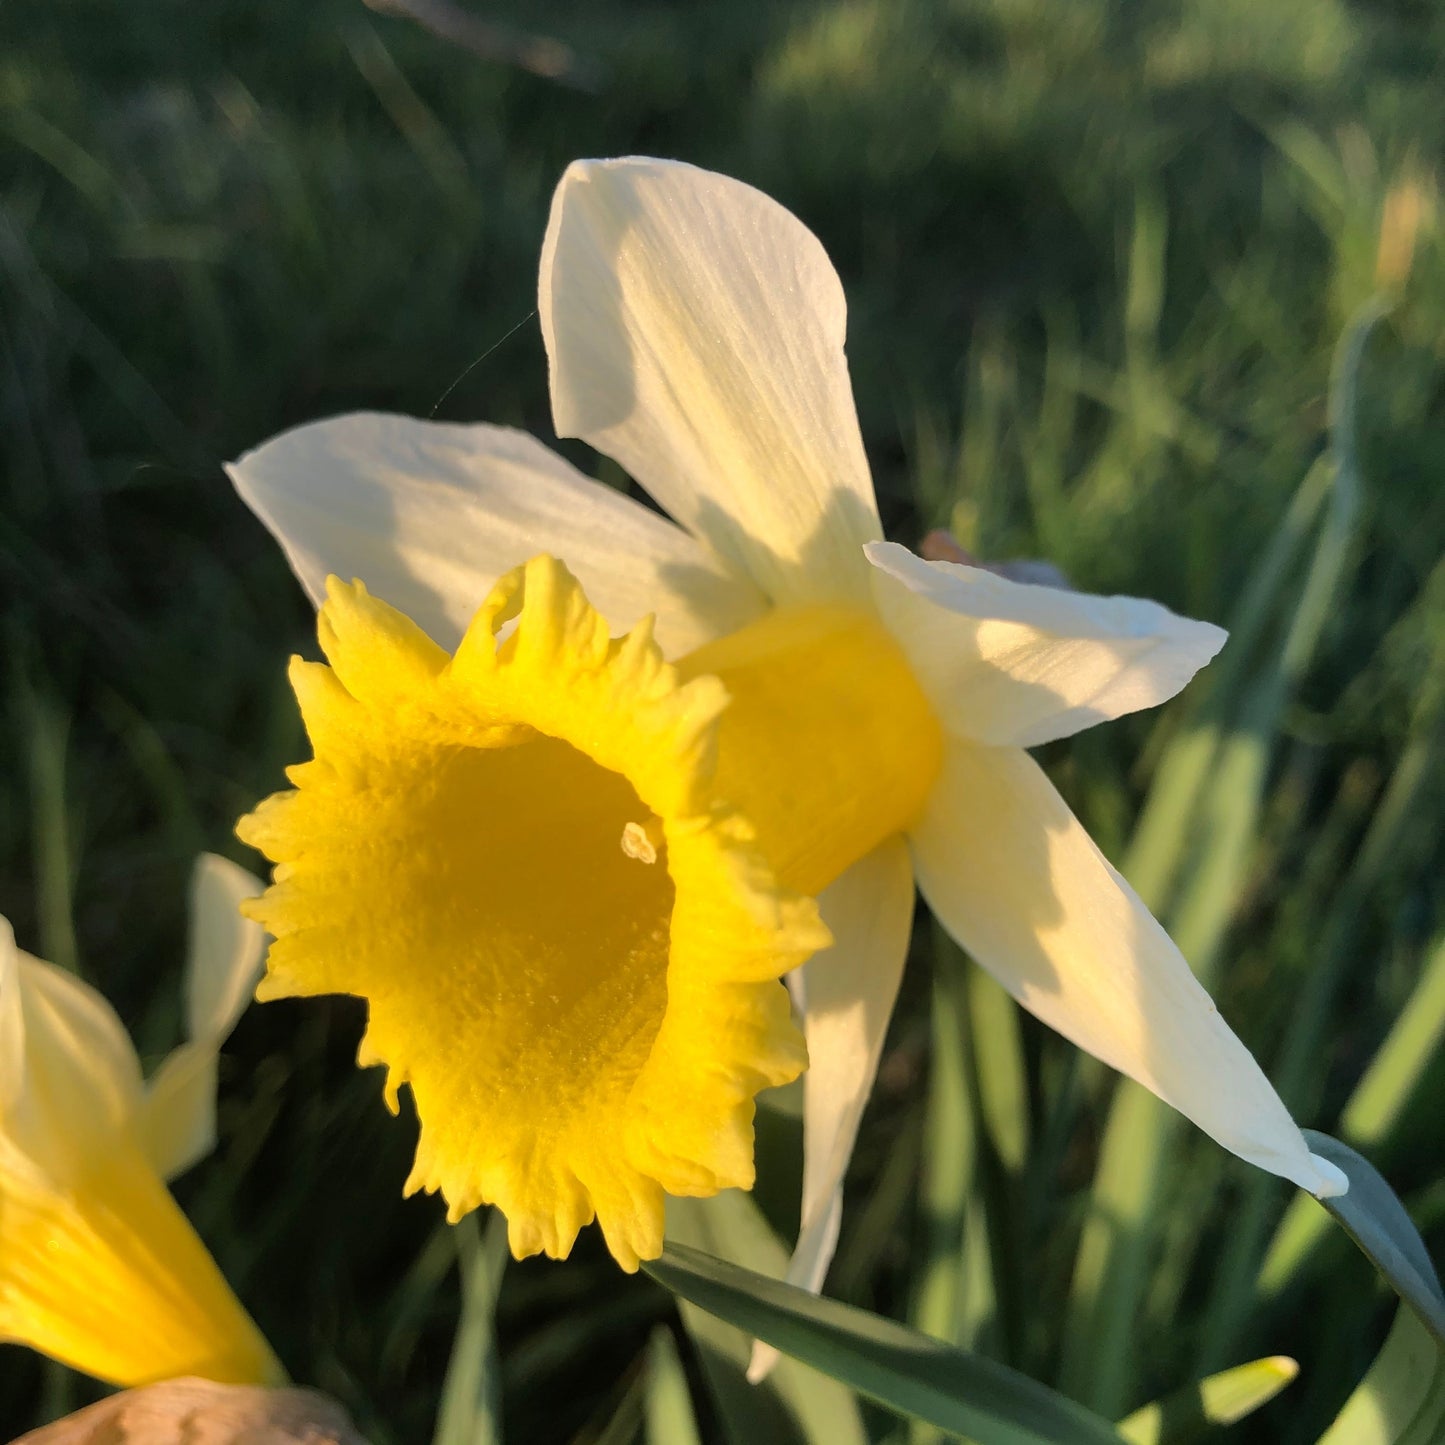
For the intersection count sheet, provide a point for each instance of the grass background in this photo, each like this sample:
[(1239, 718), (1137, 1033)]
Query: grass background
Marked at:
[(1098, 256)]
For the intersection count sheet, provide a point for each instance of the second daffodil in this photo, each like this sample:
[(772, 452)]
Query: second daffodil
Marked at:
[(98, 1266), (581, 772)]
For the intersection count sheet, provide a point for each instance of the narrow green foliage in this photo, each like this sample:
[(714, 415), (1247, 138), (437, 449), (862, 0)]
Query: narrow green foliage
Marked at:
[(795, 1405), (1372, 1215), (469, 1411), (1390, 1082), (424, 133), (1222, 818), (1379, 1101), (1165, 827), (669, 1416), (954, 1293), (1114, 1251), (625, 1424), (1407, 804), (1223, 1399), (1402, 1399), (918, 1377), (416, 1295), (48, 733), (998, 1057), (955, 1298)]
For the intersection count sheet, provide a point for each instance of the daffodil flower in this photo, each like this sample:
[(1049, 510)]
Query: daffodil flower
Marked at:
[(563, 829), (98, 1266)]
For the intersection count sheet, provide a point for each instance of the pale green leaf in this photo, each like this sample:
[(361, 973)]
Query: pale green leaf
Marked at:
[(1372, 1112), (469, 1412), (1402, 1399), (1222, 1399), (669, 1415)]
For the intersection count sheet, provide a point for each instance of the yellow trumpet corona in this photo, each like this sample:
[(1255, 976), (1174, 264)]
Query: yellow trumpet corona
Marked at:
[(567, 877)]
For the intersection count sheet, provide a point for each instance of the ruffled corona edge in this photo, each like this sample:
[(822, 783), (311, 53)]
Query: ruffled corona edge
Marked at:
[(584, 1020)]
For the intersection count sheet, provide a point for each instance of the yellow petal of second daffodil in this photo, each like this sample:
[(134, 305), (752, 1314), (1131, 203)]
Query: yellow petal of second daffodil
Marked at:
[(98, 1266)]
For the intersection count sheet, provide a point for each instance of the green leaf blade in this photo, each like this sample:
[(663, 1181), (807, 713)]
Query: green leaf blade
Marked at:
[(1223, 1399), (469, 1411), (1372, 1215), (918, 1377), (795, 1405), (669, 1414)]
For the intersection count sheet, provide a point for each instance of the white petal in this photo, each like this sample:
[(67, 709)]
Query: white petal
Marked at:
[(1014, 665), (70, 1079), (226, 948), (1013, 877), (429, 515), (695, 330), (850, 989), (176, 1120)]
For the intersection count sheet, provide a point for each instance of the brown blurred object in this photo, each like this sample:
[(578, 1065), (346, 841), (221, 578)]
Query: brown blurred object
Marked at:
[(200, 1412), (941, 546), (539, 54), (1409, 208)]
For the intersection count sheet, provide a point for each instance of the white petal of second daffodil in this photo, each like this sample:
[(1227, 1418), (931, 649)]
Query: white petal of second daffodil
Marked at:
[(226, 948), (1012, 664), (695, 331), (429, 514), (176, 1121), (70, 1078), (1011, 874), (850, 990)]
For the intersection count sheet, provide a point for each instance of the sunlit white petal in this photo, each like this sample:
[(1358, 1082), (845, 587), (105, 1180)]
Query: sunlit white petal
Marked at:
[(176, 1120), (430, 514), (226, 948), (695, 330), (1014, 878), (70, 1078), (1012, 664), (850, 989), (98, 1267)]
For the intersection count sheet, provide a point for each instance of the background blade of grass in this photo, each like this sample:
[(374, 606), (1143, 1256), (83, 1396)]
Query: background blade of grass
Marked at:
[(1223, 1399), (954, 1296), (1407, 801), (1121, 1235), (469, 1411), (1377, 1104), (1402, 1399), (670, 1420)]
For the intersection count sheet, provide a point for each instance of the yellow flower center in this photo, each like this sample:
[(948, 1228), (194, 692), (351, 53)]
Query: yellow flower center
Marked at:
[(568, 876), (828, 746)]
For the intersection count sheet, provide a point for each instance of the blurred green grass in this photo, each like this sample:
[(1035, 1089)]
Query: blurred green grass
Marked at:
[(1098, 255)]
